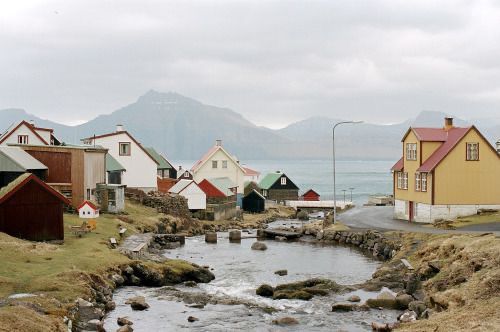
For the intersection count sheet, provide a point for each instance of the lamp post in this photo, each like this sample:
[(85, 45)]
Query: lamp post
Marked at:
[(334, 189), (344, 194), (351, 189)]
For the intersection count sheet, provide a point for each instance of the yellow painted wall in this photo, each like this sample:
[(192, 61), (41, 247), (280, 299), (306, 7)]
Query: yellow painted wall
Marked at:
[(428, 149), (468, 182), (411, 167)]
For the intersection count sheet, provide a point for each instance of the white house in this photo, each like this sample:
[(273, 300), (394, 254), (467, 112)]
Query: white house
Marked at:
[(88, 210), (27, 133), (128, 152), (197, 199), (218, 163), (251, 175)]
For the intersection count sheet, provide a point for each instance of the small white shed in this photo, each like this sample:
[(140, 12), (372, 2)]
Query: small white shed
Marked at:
[(88, 210), (197, 199)]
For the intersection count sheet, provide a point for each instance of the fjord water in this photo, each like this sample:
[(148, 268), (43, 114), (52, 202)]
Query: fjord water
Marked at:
[(239, 271), (366, 177)]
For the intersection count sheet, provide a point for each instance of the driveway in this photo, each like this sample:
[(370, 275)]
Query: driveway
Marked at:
[(380, 217)]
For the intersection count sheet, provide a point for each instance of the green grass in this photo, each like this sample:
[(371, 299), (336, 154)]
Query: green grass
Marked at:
[(477, 220)]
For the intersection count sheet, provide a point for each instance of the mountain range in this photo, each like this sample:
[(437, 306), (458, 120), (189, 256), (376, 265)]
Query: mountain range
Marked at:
[(183, 129)]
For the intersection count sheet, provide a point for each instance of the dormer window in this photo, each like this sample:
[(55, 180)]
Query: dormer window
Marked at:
[(283, 181), (472, 151), (411, 151), (186, 174), (22, 139), (124, 148)]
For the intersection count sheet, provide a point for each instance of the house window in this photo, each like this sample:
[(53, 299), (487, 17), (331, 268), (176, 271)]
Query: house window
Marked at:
[(111, 197), (124, 149), (472, 151), (88, 194), (424, 181), (264, 192), (214, 163), (22, 139), (418, 182), (411, 151), (400, 180), (224, 164), (283, 181), (405, 181), (186, 174)]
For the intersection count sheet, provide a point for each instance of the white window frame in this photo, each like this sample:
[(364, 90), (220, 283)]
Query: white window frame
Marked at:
[(399, 176), (23, 139), (283, 180), (127, 153), (472, 153), (424, 182), (215, 164), (405, 180), (418, 182), (264, 192), (224, 164), (411, 151)]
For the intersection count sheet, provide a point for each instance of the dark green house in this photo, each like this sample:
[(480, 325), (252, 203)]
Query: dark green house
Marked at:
[(278, 187)]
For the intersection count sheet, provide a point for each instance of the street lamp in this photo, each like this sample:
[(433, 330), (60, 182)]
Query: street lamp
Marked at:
[(351, 189), (334, 189), (344, 194)]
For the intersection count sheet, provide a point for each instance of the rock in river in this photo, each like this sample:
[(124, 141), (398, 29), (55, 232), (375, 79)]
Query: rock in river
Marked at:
[(125, 328), (354, 298), (137, 303), (192, 319), (123, 321), (343, 307), (286, 321), (259, 246), (281, 272), (265, 290)]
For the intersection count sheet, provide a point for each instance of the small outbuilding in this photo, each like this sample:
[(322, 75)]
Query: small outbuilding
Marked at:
[(32, 210), (254, 202), (88, 210), (197, 199), (310, 195)]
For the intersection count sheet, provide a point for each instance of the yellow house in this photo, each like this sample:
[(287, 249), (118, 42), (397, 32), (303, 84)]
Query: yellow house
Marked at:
[(445, 173)]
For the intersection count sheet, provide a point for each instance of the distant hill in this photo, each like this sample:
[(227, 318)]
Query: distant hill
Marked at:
[(183, 128)]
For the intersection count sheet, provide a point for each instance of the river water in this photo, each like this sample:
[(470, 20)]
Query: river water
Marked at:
[(239, 271)]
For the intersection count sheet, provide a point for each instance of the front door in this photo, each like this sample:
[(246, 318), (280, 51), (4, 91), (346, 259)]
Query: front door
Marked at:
[(411, 211)]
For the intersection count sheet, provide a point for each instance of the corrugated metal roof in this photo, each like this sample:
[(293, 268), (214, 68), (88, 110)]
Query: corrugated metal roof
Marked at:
[(269, 180), (454, 135), (112, 165), (20, 158), (210, 190), (224, 185), (250, 172), (180, 186), (162, 161), (398, 166)]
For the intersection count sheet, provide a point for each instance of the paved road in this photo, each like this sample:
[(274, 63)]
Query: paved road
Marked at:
[(380, 217)]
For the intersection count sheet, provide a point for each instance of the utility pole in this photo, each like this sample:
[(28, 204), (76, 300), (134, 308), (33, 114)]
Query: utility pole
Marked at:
[(351, 189)]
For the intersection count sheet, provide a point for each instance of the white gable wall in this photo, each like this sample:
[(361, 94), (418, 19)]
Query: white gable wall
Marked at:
[(140, 168), (197, 199), (45, 134), (232, 171), (23, 130)]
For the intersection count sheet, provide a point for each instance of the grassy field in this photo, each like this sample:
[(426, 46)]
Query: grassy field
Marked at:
[(60, 273), (477, 220)]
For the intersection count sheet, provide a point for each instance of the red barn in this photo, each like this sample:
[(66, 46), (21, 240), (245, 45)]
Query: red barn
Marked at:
[(214, 194), (32, 210), (310, 195)]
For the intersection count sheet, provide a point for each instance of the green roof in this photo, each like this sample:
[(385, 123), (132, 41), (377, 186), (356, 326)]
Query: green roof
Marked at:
[(269, 180), (162, 162), (5, 190), (223, 184), (112, 165)]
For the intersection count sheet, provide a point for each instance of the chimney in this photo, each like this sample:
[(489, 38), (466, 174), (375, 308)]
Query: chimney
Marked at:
[(218, 142), (119, 127), (32, 122), (180, 168), (498, 146), (448, 123)]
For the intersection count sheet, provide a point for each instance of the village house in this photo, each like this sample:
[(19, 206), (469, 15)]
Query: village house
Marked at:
[(445, 173), (278, 187), (140, 165), (165, 169), (251, 174), (218, 163), (254, 202), (310, 195), (15, 161), (197, 200), (251, 185), (27, 133), (32, 210), (74, 171), (214, 194), (184, 174)]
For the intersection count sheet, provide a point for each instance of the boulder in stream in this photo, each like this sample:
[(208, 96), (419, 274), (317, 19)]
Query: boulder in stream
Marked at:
[(354, 298), (125, 328), (122, 321), (192, 319), (259, 246), (284, 321), (137, 303), (281, 273), (265, 290)]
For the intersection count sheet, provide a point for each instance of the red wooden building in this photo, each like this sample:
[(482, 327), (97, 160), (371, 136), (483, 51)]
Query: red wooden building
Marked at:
[(310, 195), (31, 209), (214, 194)]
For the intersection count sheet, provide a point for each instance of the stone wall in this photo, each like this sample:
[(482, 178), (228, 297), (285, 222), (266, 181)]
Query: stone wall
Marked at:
[(378, 244), (173, 205)]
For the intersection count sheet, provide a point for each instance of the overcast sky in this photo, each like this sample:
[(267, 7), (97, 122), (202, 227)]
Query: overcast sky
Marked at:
[(273, 61)]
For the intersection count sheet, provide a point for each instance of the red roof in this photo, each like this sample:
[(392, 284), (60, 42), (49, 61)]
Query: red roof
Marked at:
[(87, 203), (210, 190), (431, 134), (29, 178), (250, 172), (453, 136), (398, 166)]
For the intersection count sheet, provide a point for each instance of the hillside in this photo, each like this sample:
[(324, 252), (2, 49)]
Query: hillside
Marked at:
[(183, 128)]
